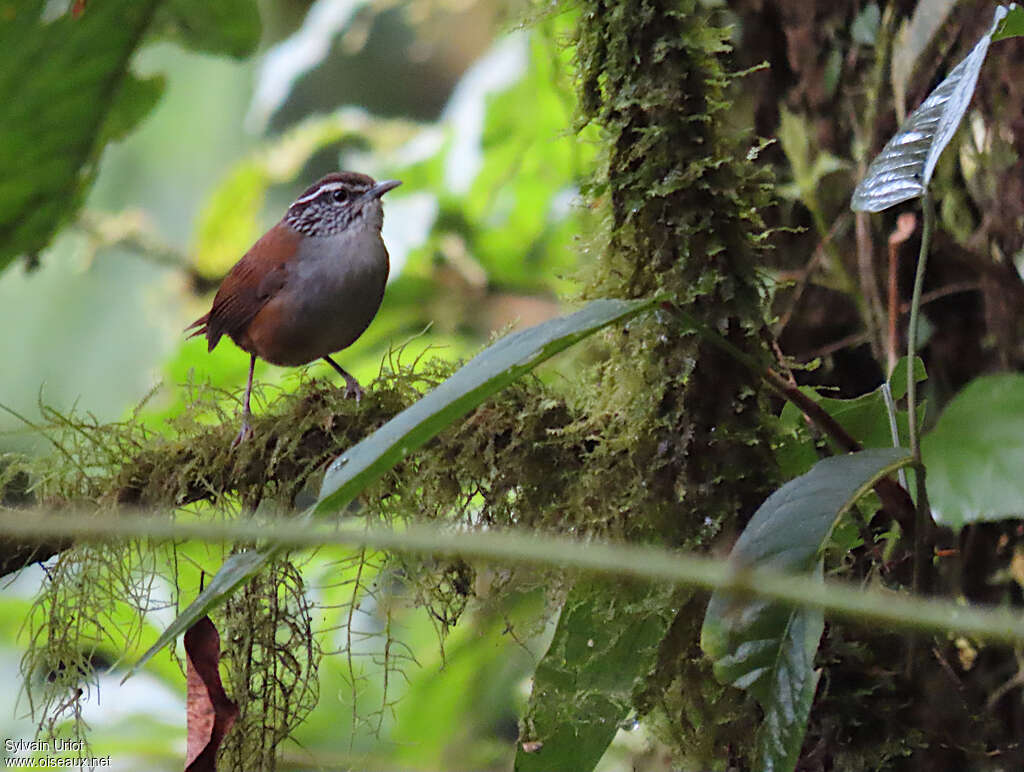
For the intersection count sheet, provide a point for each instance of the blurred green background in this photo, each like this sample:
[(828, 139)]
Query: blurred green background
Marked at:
[(475, 116)]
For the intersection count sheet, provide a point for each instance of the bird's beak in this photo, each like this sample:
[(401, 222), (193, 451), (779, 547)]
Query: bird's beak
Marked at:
[(381, 188)]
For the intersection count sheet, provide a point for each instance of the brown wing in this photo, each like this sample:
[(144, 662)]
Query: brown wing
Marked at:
[(250, 284)]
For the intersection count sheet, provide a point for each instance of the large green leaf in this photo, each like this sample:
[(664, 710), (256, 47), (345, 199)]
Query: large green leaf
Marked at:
[(605, 643), (61, 82), (487, 373), (975, 453), (769, 648), (904, 167), (490, 371), (66, 90)]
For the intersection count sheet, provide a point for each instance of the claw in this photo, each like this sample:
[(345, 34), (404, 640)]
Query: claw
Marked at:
[(353, 390), (352, 387), (244, 434)]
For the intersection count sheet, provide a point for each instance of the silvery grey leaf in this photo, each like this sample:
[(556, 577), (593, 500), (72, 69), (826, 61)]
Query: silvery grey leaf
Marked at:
[(905, 166)]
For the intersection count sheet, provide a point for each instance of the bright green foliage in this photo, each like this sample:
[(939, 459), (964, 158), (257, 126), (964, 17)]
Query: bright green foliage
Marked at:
[(663, 441), (510, 231), (347, 476), (230, 221)]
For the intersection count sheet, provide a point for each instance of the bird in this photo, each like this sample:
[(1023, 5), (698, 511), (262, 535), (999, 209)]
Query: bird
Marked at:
[(310, 286)]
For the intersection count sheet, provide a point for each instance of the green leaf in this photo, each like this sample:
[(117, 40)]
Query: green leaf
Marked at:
[(904, 167), (1012, 26), (808, 165), (135, 99), (788, 695), (236, 571), (228, 224), (975, 453), (64, 88), (229, 27), (769, 648), (605, 643), (487, 373), (865, 418)]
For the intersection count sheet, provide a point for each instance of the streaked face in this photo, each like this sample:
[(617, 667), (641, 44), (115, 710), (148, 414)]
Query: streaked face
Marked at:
[(336, 202)]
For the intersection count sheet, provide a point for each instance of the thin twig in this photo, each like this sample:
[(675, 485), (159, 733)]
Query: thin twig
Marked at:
[(905, 225), (923, 510), (894, 497)]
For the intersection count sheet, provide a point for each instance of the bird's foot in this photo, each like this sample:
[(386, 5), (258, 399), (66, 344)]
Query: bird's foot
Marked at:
[(352, 389), (244, 434)]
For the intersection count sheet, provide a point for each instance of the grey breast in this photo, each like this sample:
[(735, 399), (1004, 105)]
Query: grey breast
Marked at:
[(338, 283)]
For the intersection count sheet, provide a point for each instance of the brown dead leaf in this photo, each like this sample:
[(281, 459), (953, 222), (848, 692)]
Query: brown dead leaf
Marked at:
[(210, 712)]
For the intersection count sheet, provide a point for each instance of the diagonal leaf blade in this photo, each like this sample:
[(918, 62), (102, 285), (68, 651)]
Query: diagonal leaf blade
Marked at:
[(236, 571), (767, 647), (487, 373), (904, 167)]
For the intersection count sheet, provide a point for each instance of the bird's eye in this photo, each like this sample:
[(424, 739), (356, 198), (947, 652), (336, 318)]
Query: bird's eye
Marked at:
[(341, 196)]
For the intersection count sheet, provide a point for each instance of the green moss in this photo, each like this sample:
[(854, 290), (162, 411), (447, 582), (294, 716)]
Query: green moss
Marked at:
[(683, 198)]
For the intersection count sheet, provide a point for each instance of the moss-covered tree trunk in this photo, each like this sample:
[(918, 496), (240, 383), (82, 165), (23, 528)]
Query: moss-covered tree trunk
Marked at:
[(685, 445), (684, 200)]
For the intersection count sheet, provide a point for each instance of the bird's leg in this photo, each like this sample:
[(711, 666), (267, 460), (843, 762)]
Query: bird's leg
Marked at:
[(246, 431), (352, 387)]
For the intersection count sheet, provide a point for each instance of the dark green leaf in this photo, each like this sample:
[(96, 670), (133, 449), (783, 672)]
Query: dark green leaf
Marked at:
[(63, 88), (975, 453), (135, 99), (792, 524), (222, 27), (769, 648), (605, 643), (904, 167), (787, 691), (487, 373)]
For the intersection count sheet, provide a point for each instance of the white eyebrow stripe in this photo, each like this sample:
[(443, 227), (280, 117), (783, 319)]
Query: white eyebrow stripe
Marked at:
[(319, 191)]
